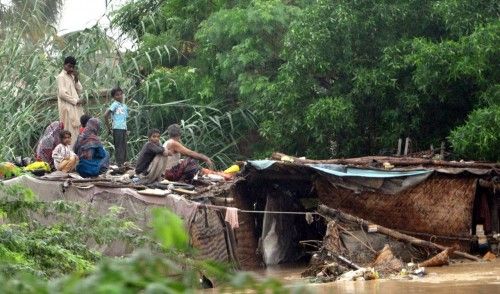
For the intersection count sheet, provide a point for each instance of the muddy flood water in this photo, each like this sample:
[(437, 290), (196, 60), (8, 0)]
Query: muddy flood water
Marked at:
[(467, 277)]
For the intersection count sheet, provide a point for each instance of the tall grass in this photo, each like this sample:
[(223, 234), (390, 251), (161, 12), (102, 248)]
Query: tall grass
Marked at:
[(28, 103), (24, 83)]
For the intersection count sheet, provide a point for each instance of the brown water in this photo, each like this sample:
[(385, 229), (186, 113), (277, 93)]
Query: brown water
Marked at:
[(457, 279)]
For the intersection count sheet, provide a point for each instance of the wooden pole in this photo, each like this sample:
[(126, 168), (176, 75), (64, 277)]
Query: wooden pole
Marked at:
[(400, 145), (347, 261), (407, 146), (333, 213), (408, 161), (489, 184)]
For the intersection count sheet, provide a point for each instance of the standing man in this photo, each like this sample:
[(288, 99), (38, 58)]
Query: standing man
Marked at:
[(68, 101)]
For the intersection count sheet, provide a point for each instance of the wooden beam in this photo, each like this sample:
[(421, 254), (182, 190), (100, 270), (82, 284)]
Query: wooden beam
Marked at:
[(335, 213), (396, 161), (489, 184)]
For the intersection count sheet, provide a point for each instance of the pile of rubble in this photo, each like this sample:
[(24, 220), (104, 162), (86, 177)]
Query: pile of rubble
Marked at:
[(354, 249)]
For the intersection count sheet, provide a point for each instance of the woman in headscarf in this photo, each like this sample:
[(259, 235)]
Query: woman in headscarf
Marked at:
[(89, 148), (48, 142)]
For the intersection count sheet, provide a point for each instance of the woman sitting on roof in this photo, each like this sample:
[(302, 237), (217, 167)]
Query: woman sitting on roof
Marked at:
[(48, 142), (187, 168), (89, 148)]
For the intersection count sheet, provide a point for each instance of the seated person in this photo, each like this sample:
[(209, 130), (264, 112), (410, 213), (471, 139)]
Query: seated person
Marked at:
[(48, 142), (152, 159), (176, 168), (90, 150), (64, 158)]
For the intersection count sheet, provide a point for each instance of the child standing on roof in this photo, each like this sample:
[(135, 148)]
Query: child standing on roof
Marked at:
[(119, 113)]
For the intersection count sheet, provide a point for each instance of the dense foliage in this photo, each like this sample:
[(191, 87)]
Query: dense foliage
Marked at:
[(315, 78), (48, 248), (244, 77), (50, 239), (327, 78)]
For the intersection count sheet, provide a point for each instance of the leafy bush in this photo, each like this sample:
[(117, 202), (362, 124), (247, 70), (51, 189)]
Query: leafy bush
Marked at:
[(479, 137), (29, 244), (32, 253)]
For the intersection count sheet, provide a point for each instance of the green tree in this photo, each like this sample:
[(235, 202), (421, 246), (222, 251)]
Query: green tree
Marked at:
[(402, 68), (226, 55), (479, 137), (321, 78)]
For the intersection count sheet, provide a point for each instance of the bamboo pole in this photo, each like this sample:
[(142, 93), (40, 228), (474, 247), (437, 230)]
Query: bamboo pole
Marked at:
[(332, 213), (100, 93)]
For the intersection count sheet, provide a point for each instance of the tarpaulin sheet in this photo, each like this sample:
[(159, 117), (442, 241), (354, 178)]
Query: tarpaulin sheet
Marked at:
[(343, 171)]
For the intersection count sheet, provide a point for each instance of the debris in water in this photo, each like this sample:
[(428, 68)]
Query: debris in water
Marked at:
[(412, 270), (362, 274), (489, 256), (440, 259), (386, 262)]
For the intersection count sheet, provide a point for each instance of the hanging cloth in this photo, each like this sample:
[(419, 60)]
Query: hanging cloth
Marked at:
[(232, 217)]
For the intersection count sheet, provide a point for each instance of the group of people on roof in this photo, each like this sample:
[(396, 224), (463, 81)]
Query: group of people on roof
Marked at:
[(73, 143)]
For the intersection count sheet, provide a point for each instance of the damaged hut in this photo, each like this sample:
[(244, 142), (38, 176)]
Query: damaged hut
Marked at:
[(449, 203)]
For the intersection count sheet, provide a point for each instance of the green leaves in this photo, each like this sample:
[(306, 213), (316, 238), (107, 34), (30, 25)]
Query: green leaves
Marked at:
[(462, 17), (330, 120), (479, 137), (58, 258), (169, 230), (64, 246), (396, 64)]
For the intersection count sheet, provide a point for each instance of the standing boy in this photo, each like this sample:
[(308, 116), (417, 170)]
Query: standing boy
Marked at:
[(119, 112), (68, 101)]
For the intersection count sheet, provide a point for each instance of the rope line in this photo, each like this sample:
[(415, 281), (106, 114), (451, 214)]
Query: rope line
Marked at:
[(259, 211)]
